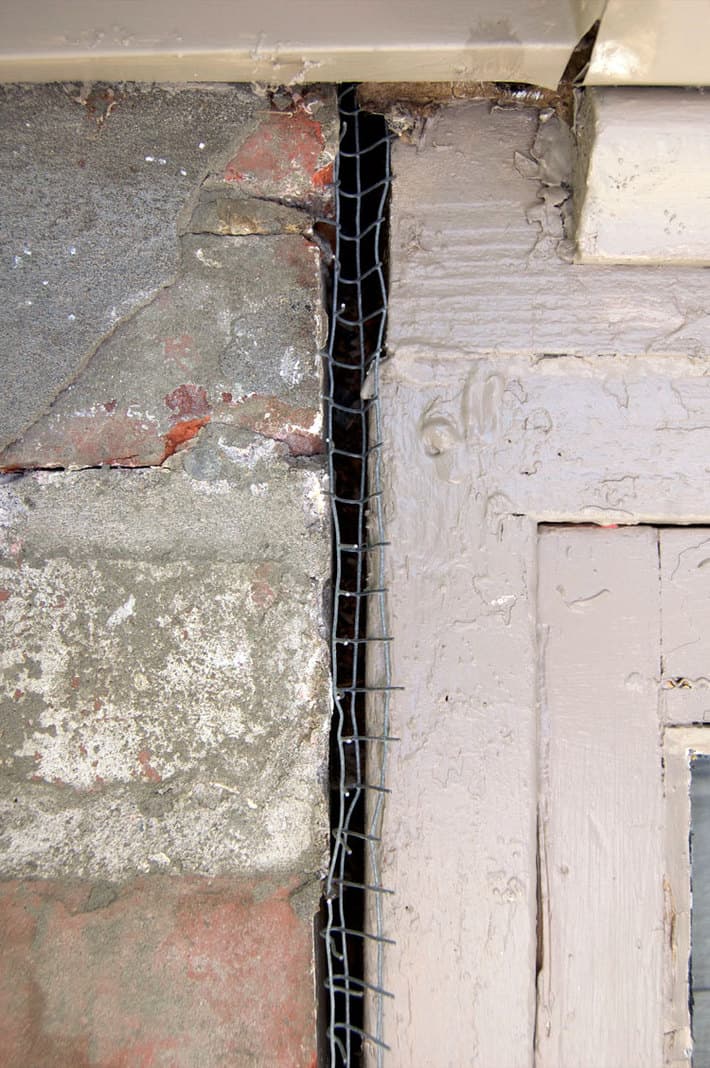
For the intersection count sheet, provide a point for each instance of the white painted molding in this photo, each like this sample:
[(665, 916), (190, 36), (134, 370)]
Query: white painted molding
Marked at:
[(641, 190), (302, 41), (652, 42)]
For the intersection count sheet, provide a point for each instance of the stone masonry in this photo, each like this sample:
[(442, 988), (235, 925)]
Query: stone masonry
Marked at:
[(164, 555)]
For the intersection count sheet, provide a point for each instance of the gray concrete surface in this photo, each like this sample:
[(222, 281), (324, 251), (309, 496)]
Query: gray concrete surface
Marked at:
[(164, 533)]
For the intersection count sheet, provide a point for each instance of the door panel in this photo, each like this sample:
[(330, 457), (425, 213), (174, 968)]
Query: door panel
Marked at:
[(601, 813)]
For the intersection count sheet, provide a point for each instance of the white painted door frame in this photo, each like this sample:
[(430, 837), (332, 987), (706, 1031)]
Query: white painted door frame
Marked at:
[(486, 450), (490, 432)]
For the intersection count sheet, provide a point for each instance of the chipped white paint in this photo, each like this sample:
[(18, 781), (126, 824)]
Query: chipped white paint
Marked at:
[(679, 744), (642, 190), (685, 579), (521, 389), (601, 842)]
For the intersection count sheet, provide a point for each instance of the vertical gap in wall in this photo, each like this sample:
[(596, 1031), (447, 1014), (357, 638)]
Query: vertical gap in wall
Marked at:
[(353, 922)]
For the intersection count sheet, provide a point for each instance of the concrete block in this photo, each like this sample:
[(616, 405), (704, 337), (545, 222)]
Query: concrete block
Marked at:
[(96, 187), (164, 701), (181, 972), (243, 317)]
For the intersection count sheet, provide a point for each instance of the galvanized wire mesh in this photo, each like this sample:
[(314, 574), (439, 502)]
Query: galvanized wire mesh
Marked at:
[(355, 920)]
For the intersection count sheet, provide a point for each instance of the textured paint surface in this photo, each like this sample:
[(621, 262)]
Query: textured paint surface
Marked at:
[(477, 265), (522, 389), (181, 972), (601, 841)]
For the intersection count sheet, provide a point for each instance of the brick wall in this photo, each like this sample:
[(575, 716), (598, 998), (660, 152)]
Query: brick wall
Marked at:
[(163, 556)]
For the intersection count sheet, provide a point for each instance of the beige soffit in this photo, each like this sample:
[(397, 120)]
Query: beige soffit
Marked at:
[(301, 40), (653, 42)]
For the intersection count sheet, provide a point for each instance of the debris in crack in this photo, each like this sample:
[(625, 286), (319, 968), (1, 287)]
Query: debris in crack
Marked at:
[(228, 213)]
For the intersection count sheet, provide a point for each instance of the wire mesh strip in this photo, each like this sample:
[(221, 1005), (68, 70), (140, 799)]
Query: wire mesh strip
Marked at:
[(354, 928)]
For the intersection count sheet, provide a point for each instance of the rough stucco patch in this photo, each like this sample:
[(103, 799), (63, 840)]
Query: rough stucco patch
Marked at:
[(164, 673), (180, 972), (215, 502), (122, 671), (161, 717)]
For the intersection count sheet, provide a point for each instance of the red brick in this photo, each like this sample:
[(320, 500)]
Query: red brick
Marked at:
[(163, 971), (286, 157)]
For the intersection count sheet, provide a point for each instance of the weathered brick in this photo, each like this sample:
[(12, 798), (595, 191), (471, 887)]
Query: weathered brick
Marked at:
[(178, 972), (164, 552), (287, 157)]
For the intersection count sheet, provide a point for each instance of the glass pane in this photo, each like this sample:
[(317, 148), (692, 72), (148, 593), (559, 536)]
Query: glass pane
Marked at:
[(700, 931)]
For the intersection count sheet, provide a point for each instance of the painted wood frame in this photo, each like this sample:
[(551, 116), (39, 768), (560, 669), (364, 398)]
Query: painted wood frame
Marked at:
[(600, 928), (481, 453), (679, 744), (522, 390)]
